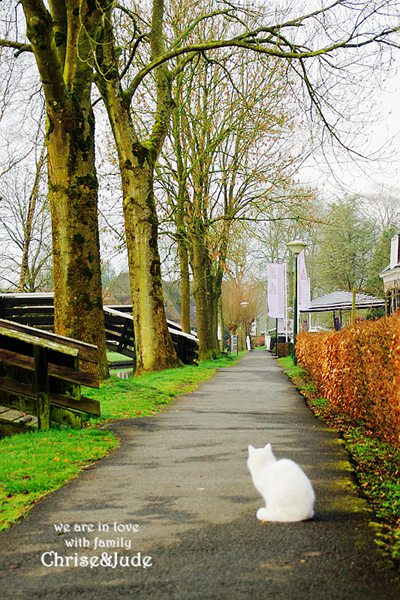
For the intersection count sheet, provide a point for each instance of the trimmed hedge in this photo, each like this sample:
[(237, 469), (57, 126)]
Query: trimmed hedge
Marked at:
[(358, 371)]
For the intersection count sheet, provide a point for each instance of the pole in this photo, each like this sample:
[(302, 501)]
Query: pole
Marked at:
[(295, 315), (286, 302), (276, 337), (353, 305)]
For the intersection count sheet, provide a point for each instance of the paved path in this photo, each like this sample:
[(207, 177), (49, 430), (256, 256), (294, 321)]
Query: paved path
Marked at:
[(180, 478)]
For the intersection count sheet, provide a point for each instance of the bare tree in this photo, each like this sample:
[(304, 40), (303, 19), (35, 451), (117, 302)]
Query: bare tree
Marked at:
[(228, 161), (25, 229)]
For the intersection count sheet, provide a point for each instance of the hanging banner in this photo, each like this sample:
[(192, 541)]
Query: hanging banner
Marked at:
[(303, 283), (276, 290)]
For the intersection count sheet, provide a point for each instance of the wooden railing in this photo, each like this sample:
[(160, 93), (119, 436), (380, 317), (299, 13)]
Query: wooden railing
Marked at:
[(37, 310), (41, 374), (121, 338)]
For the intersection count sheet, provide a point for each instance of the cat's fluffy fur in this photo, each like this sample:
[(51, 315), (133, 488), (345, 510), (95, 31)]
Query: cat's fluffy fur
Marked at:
[(286, 489)]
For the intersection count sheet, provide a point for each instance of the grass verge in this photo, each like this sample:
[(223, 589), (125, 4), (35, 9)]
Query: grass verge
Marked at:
[(147, 394), (34, 464), (376, 464)]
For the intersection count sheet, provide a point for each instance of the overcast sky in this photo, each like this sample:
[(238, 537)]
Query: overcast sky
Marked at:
[(381, 142)]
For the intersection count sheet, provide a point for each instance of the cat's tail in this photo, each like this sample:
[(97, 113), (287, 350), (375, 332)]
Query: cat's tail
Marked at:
[(264, 514)]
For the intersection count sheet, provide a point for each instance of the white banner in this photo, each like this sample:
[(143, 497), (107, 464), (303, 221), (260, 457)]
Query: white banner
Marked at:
[(303, 283), (276, 290)]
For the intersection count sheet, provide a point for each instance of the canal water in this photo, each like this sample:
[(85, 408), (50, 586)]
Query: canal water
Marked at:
[(122, 372)]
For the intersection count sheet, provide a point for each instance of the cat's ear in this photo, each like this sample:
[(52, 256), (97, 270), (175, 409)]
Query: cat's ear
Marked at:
[(268, 447), (251, 448)]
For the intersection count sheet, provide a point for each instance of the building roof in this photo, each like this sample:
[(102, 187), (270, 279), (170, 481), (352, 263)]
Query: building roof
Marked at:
[(390, 268), (341, 300)]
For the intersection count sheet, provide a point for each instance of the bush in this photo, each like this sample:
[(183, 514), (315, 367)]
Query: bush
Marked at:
[(358, 371)]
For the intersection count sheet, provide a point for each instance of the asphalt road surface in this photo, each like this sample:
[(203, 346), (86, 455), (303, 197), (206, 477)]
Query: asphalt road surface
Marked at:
[(172, 512)]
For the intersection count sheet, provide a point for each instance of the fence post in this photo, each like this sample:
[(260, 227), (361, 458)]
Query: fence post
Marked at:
[(42, 388)]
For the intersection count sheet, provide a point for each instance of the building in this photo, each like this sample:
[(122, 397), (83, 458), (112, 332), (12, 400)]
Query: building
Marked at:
[(391, 276)]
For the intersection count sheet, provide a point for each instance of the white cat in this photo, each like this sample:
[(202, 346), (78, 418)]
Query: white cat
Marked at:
[(286, 489)]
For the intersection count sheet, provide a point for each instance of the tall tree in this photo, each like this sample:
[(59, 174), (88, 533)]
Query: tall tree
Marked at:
[(379, 261), (346, 245), (229, 162), (59, 33), (25, 229), (28, 224), (152, 50), (137, 160)]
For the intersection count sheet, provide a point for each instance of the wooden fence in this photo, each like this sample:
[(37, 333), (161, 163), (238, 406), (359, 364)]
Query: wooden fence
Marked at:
[(41, 374), (37, 310)]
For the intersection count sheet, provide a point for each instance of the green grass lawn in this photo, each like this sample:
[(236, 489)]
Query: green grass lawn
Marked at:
[(34, 464), (376, 463), (147, 394)]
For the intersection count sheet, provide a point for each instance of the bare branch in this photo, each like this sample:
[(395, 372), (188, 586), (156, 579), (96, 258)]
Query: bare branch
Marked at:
[(19, 46)]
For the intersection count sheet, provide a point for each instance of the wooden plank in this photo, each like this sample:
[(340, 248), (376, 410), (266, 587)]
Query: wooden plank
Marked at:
[(27, 298), (80, 377), (117, 313), (11, 428), (15, 387), (61, 372), (25, 404), (86, 405), (30, 311), (11, 414), (66, 417), (87, 351), (17, 416), (42, 388), (37, 321), (125, 308), (27, 420), (39, 341), (113, 347)]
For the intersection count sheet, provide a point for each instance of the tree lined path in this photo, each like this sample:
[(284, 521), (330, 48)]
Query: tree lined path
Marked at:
[(181, 477)]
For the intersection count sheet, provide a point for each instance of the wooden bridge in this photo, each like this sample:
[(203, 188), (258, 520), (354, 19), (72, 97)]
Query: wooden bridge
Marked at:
[(41, 374), (37, 310)]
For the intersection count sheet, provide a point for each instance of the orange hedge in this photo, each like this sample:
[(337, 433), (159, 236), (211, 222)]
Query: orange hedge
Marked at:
[(358, 371)]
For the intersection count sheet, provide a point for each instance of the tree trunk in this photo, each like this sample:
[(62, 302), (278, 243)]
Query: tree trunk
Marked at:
[(206, 303), (28, 227), (154, 347), (183, 254), (60, 40), (73, 187), (222, 324), (153, 344)]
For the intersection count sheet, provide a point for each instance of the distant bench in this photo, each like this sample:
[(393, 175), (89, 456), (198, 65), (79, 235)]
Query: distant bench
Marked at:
[(41, 374)]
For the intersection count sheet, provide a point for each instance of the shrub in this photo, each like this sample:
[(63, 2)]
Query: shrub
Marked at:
[(358, 371)]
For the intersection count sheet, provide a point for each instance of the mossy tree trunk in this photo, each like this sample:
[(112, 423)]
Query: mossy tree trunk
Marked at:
[(60, 43), (180, 216), (205, 294), (184, 282), (137, 161), (154, 348)]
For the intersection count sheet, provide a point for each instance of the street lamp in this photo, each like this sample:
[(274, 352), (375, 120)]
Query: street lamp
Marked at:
[(244, 305), (295, 248)]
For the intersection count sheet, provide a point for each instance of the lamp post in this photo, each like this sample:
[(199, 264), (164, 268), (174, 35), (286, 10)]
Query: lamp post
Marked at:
[(295, 248), (244, 305)]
